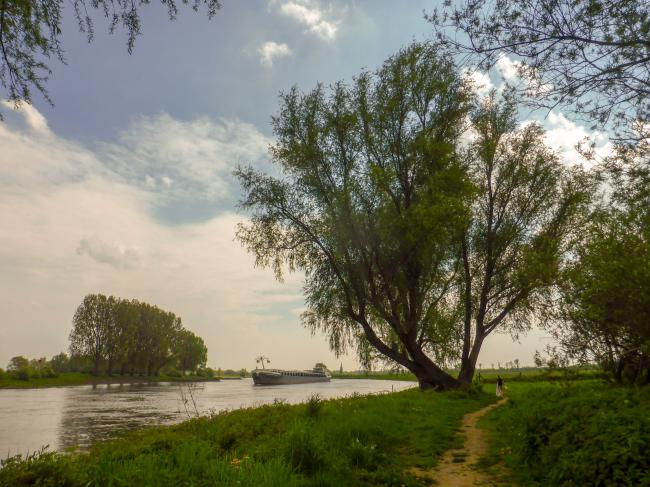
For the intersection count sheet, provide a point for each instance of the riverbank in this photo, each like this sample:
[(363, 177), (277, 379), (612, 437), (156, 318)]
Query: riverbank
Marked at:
[(360, 440), (78, 379)]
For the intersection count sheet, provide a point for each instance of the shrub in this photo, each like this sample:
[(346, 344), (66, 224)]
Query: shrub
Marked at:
[(314, 405), (39, 468), (20, 374), (172, 372), (49, 373), (578, 435)]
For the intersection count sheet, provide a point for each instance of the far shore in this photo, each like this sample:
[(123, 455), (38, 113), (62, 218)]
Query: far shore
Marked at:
[(78, 379), (484, 376)]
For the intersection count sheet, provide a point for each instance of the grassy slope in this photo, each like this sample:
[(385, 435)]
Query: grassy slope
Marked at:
[(364, 440), (77, 378), (579, 433)]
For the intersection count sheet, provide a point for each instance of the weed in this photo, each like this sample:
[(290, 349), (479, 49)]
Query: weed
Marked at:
[(314, 405), (302, 450)]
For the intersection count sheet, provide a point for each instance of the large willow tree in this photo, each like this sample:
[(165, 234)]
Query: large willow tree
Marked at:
[(374, 202)]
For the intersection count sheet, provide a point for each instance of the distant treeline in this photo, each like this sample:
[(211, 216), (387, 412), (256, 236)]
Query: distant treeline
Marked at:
[(133, 337)]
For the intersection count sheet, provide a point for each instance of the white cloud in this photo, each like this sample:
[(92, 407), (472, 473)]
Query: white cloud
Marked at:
[(184, 159), (508, 68), (115, 253), (522, 76), (481, 81), (167, 181), (270, 51), (71, 225), (310, 14), (34, 119), (563, 136)]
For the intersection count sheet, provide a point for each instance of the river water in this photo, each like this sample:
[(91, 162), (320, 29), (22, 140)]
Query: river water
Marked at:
[(75, 417)]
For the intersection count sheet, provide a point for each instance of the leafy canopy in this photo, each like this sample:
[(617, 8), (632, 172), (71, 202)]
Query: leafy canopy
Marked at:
[(589, 55), (369, 198)]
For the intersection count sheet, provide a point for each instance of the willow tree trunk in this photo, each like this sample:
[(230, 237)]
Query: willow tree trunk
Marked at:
[(430, 376), (439, 381), (468, 361)]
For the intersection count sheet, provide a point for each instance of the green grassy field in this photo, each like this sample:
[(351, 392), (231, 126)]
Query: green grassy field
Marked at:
[(572, 433), (486, 376), (373, 375), (77, 378), (363, 440)]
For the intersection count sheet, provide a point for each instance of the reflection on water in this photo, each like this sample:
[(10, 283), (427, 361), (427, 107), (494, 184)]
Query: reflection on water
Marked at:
[(75, 417), (96, 413)]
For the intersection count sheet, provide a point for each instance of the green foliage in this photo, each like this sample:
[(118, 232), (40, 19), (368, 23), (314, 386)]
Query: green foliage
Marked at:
[(412, 240), (525, 214), (21, 374), (190, 351), (588, 55), (605, 306), (363, 455), (362, 440), (171, 372), (22, 369), (43, 468), (314, 405), (132, 337), (574, 434), (303, 450), (370, 197), (60, 363), (17, 363)]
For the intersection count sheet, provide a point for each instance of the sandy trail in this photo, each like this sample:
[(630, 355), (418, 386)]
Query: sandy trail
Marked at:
[(456, 467)]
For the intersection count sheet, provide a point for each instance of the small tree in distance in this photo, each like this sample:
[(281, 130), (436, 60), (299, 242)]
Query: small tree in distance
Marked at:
[(17, 363)]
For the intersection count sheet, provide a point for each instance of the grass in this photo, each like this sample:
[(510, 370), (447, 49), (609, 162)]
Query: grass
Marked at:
[(538, 375), (374, 375), (571, 433), (78, 378), (486, 376), (360, 440)]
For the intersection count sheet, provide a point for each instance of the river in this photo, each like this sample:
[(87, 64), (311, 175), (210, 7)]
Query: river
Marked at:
[(76, 417)]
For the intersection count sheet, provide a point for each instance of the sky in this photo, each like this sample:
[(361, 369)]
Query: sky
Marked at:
[(125, 186)]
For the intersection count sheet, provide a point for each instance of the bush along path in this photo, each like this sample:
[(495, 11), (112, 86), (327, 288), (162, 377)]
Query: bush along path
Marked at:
[(571, 433), (457, 467)]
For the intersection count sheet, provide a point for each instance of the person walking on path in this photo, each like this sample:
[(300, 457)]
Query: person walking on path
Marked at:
[(499, 386)]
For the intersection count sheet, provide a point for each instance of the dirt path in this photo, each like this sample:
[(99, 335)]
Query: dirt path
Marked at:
[(456, 467)]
